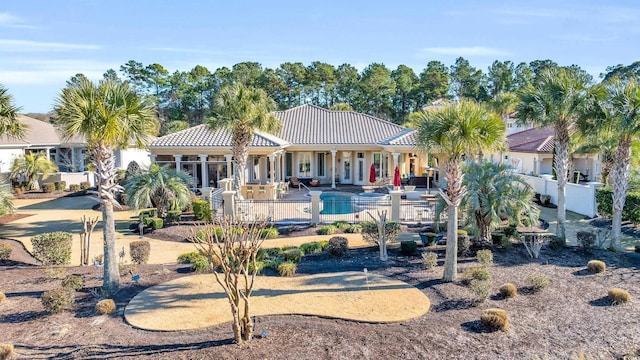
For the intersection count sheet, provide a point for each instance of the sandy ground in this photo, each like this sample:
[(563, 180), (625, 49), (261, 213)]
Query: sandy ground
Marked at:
[(198, 301)]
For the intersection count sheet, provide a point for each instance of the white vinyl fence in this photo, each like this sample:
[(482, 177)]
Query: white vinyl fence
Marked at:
[(580, 199)]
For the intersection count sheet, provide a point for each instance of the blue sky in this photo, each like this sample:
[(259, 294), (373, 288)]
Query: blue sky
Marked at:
[(43, 43)]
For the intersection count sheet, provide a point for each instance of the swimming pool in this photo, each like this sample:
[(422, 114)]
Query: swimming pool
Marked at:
[(335, 203)]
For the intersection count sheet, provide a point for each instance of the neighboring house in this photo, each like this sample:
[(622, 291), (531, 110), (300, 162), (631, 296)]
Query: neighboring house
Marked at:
[(333, 146), (69, 155), (531, 153), (513, 126)]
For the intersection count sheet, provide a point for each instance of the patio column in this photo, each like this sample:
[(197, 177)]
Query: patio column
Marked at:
[(178, 158), (315, 206), (395, 159), (395, 204), (282, 171), (333, 168), (228, 158), (228, 200), (272, 167), (204, 170)]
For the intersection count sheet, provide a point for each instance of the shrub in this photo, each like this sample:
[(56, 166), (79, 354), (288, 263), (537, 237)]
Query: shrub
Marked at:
[(60, 185), (105, 307), (477, 273), (73, 281), (272, 263), (292, 255), (311, 247), (370, 231), (508, 290), (510, 231), (7, 352), (428, 238), (497, 237), (154, 222), (201, 210), (408, 247), (481, 289), (555, 243), (2, 297), (5, 251), (429, 260), (586, 240), (341, 224), (618, 296), (139, 251), (485, 257), (52, 248), (324, 244), (258, 268), (327, 230), (48, 187), (99, 259), (495, 319), (338, 246), (127, 269), (201, 263), (353, 229), (274, 251), (596, 266), (538, 281), (85, 185), (188, 258), (270, 233), (58, 300), (262, 254), (631, 210), (173, 216), (149, 213), (208, 232), (287, 268), (74, 187)]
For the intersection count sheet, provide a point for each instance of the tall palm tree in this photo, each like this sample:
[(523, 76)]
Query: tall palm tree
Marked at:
[(110, 115), (32, 167), (242, 110), (621, 117), (9, 123), (160, 187), (456, 130), (494, 192), (559, 98)]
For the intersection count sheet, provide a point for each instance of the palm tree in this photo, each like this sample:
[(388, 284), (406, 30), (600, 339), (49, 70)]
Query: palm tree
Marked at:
[(6, 197), (9, 123), (621, 117), (494, 193), (559, 98), (110, 115), (160, 187), (456, 130), (32, 167), (242, 110)]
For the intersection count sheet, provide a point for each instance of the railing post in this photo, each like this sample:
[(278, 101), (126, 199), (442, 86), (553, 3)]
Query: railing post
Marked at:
[(229, 203), (315, 206), (395, 205)]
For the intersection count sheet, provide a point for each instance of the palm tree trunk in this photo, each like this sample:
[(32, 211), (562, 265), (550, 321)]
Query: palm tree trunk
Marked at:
[(104, 161), (241, 139), (562, 167), (620, 183), (453, 168)]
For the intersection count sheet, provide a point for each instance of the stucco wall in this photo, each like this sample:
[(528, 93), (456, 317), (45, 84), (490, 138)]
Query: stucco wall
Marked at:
[(6, 158)]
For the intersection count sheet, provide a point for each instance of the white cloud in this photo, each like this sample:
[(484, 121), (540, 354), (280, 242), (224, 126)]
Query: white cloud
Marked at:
[(467, 51), (50, 71), (10, 45), (8, 20)]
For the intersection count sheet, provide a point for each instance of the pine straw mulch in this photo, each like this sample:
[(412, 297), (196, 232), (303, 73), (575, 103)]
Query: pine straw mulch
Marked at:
[(570, 317)]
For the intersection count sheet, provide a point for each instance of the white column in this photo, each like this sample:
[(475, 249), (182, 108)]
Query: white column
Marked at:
[(395, 204), (229, 206), (315, 206), (205, 171), (228, 157), (333, 168), (395, 159), (73, 157), (178, 158), (153, 158), (272, 167)]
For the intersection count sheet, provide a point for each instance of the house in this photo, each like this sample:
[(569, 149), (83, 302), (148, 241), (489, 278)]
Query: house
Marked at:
[(337, 147), (531, 153), (68, 155)]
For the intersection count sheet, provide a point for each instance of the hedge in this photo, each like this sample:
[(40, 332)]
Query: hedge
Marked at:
[(631, 210), (202, 210), (52, 248)]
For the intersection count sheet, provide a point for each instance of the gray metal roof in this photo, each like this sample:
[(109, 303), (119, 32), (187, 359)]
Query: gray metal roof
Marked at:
[(313, 125), (204, 136), (405, 138)]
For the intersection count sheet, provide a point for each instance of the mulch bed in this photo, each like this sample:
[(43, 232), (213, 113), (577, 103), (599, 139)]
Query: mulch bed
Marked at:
[(570, 317), (7, 218)]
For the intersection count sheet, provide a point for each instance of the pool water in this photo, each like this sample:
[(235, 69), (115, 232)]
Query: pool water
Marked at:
[(337, 203)]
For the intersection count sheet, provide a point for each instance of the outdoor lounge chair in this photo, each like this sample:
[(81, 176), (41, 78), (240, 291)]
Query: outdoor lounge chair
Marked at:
[(295, 182), (314, 182)]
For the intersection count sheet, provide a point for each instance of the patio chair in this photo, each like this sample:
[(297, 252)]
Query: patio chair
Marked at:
[(295, 182), (315, 182)]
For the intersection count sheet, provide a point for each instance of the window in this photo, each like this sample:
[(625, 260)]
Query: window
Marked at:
[(321, 164), (377, 163), (304, 164), (289, 164)]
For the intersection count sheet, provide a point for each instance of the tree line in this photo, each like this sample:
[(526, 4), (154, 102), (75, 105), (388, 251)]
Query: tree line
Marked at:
[(184, 98)]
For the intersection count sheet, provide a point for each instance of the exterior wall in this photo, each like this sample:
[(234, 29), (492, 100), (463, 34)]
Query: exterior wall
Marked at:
[(580, 199), (7, 156), (124, 157), (71, 177)]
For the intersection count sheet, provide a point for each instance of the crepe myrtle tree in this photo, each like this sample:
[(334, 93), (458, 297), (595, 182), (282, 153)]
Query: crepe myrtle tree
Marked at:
[(110, 115)]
